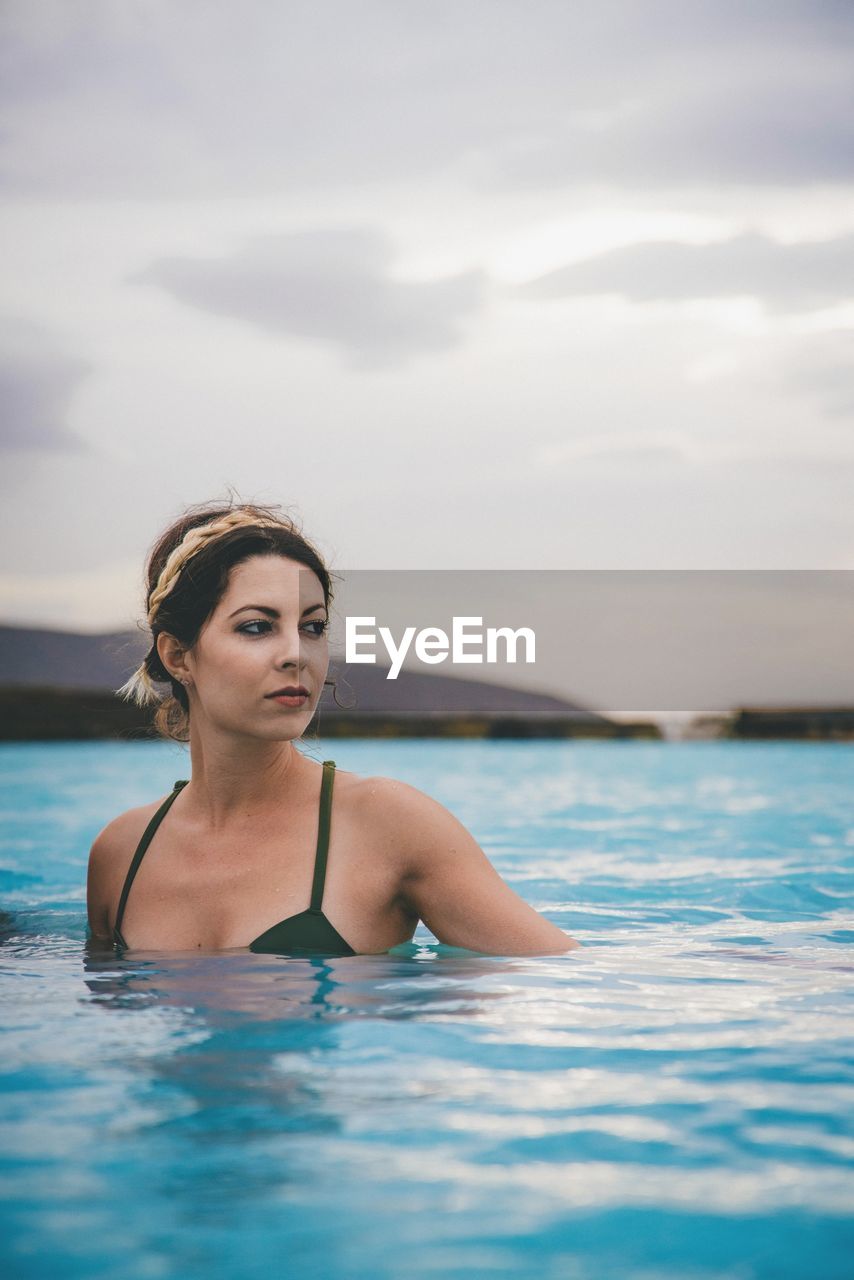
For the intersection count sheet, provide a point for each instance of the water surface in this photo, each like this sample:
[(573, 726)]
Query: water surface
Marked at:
[(675, 1100)]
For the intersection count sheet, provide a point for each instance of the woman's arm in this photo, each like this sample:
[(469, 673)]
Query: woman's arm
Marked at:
[(109, 858), (97, 886), (448, 881)]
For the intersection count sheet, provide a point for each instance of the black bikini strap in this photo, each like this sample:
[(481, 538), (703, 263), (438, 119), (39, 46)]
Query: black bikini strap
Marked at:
[(323, 824), (147, 837)]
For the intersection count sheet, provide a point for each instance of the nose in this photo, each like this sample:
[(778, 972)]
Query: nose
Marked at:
[(288, 654)]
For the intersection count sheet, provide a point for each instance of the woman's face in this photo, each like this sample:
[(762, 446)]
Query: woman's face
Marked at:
[(268, 633)]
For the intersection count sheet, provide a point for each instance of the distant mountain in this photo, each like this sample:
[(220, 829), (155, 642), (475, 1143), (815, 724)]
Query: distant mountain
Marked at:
[(68, 660), (416, 693), (65, 660)]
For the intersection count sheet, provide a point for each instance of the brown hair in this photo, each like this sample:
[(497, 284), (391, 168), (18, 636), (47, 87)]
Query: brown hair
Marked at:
[(186, 577)]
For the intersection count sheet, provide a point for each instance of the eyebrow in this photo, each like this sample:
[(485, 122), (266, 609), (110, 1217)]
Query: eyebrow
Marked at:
[(274, 613)]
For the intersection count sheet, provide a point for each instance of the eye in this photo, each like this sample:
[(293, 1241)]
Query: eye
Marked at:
[(256, 622), (320, 624)]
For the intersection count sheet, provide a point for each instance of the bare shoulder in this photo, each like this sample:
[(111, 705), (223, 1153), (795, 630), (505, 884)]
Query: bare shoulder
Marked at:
[(122, 831), (398, 815), (446, 878), (379, 791), (109, 859)]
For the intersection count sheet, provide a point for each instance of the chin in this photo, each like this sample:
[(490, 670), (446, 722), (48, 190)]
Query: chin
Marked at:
[(286, 730), (279, 731), (283, 732)]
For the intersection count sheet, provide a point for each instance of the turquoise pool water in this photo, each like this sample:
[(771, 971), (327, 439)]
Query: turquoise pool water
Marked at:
[(674, 1101)]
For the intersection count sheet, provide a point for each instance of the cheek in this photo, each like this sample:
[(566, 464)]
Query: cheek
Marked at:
[(314, 648), (317, 659), (238, 659)]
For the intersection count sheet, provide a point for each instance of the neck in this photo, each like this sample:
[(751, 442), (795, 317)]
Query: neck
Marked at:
[(235, 777)]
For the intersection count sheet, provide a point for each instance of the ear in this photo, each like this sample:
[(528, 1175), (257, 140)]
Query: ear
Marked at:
[(173, 657)]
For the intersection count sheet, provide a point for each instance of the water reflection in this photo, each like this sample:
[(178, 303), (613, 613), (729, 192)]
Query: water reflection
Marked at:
[(228, 987), (261, 1066)]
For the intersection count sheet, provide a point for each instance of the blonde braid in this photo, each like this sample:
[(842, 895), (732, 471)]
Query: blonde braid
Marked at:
[(190, 544), (139, 688)]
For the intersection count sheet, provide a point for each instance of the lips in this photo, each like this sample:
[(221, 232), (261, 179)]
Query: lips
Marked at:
[(291, 691)]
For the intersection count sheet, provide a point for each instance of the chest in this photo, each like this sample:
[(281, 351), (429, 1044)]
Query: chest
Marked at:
[(194, 891)]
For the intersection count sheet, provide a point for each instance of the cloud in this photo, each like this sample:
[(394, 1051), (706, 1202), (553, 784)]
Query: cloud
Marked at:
[(729, 117), (167, 99), (786, 277), (333, 287), (37, 383), (820, 367), (640, 448)]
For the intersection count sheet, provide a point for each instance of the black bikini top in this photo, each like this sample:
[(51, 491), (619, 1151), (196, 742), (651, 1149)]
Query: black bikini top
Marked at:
[(308, 932)]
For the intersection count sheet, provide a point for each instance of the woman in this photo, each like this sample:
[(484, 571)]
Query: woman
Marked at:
[(238, 606)]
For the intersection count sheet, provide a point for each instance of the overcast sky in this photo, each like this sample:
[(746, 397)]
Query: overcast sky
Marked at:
[(466, 283)]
